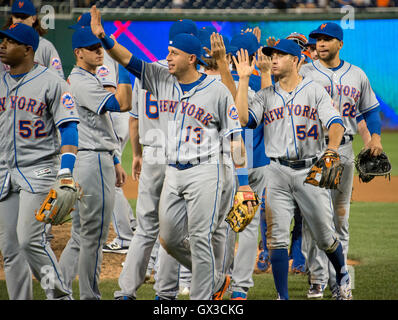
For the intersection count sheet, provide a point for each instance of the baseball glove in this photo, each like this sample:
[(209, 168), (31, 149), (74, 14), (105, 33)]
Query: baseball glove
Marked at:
[(369, 166), (59, 201), (239, 216), (326, 172)]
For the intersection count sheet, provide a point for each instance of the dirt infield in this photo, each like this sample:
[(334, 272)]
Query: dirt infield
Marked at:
[(378, 190)]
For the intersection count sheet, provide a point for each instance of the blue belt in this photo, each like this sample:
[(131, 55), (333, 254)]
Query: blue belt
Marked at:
[(296, 164), (181, 166), (344, 140)]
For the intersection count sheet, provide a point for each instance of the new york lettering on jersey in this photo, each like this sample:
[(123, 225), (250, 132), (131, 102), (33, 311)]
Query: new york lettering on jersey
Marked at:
[(349, 88), (34, 112), (292, 121), (194, 120)]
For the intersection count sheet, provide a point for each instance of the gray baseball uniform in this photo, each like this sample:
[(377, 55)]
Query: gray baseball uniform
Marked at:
[(294, 139), (95, 172), (197, 120), (123, 219), (352, 94), (243, 263), (152, 138), (32, 107), (47, 55)]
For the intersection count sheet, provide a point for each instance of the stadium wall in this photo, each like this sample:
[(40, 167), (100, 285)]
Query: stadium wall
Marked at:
[(370, 44)]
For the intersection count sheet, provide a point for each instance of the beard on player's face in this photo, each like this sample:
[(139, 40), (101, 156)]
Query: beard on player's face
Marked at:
[(328, 48)]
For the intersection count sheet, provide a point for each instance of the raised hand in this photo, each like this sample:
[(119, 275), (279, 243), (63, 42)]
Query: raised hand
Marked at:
[(263, 62), (96, 25), (243, 65), (271, 41), (218, 50)]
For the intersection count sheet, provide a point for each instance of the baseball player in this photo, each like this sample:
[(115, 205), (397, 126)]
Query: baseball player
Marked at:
[(97, 167), (23, 11), (188, 208), (293, 112), (354, 98), (244, 260), (122, 216), (149, 166), (34, 103)]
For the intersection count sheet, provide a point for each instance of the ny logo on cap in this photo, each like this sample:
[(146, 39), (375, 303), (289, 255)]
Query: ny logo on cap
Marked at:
[(323, 25), (277, 42), (12, 26), (20, 4)]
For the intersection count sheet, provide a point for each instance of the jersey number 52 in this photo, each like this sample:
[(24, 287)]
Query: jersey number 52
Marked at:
[(26, 129)]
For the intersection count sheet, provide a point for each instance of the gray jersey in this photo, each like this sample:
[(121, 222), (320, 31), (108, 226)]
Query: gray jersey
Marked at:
[(33, 112), (95, 132), (145, 108), (47, 55), (349, 88), (293, 121), (108, 73), (196, 119)]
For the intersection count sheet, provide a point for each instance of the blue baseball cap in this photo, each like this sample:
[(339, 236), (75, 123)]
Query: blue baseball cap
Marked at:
[(83, 20), (311, 41), (189, 44), (286, 46), (83, 37), (183, 26), (246, 41), (23, 6), (23, 34), (204, 38), (330, 29), (210, 29)]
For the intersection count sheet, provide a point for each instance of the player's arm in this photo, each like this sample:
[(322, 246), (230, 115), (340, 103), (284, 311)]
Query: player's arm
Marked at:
[(263, 63), (245, 70), (115, 50), (239, 158), (336, 132), (218, 52), (122, 93), (363, 131), (373, 123), (69, 143), (136, 148)]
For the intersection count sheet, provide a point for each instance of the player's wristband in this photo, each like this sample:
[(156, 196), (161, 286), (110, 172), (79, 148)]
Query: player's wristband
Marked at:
[(68, 161), (107, 42), (116, 160), (124, 75), (243, 176)]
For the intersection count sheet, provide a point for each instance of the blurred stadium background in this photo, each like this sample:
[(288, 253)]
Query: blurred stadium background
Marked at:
[(370, 35)]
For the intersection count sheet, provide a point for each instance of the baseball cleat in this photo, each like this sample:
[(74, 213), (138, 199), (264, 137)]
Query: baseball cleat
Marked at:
[(345, 288), (316, 291), (239, 296), (114, 247), (263, 262), (220, 293)]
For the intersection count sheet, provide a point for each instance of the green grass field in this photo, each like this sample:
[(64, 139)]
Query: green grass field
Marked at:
[(373, 242)]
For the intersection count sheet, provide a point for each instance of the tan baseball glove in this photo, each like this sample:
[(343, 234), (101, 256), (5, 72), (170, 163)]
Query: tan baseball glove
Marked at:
[(60, 201), (239, 216), (326, 172)]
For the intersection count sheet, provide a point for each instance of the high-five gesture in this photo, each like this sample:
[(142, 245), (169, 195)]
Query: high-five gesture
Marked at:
[(218, 50), (243, 65), (96, 25), (263, 62)]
